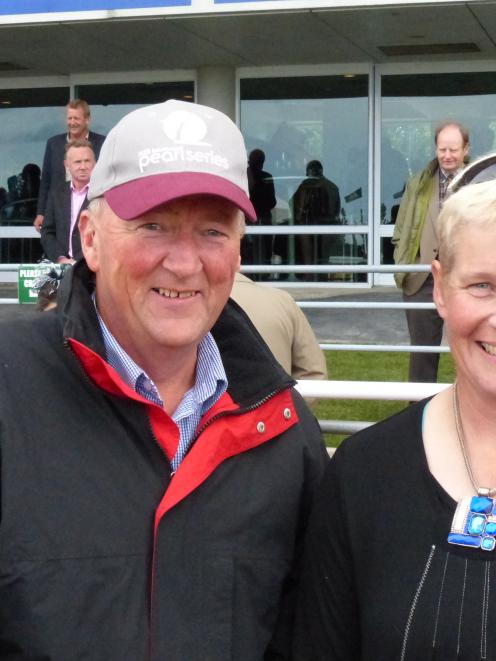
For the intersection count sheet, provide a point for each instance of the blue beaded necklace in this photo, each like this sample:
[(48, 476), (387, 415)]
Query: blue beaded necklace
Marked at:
[(474, 523)]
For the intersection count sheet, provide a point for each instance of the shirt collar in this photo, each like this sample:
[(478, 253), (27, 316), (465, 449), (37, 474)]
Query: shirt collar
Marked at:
[(84, 189), (210, 380)]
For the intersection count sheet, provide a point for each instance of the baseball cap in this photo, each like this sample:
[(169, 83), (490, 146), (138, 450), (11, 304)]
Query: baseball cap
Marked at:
[(482, 169), (166, 151)]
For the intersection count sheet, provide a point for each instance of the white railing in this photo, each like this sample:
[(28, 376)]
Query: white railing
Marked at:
[(359, 390)]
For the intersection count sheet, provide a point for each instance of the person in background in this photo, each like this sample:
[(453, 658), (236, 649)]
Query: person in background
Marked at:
[(53, 173), (283, 326), (416, 241), (316, 202), (401, 550), (158, 466), (263, 197), (59, 232)]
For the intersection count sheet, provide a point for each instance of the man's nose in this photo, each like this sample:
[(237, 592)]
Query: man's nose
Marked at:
[(182, 255)]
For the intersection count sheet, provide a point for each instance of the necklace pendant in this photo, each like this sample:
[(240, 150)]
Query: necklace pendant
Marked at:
[(474, 522)]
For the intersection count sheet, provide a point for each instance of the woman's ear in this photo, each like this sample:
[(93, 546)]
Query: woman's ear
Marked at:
[(438, 293)]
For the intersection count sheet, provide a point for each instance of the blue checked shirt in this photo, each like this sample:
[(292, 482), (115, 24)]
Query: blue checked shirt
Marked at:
[(210, 385)]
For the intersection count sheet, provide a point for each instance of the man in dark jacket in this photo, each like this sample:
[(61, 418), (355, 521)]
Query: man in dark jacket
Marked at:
[(53, 172), (59, 232), (157, 464)]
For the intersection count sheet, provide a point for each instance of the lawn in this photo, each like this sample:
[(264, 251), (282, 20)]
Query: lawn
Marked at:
[(369, 366)]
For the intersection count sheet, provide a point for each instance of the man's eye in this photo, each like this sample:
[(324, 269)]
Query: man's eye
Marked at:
[(480, 288), (152, 227), (214, 232)]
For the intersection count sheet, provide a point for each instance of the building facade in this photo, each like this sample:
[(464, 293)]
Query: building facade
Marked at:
[(358, 87)]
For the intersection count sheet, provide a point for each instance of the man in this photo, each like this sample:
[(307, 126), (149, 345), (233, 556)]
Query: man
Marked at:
[(315, 202), (157, 465), (59, 232), (415, 241), (78, 116), (283, 326), (263, 198)]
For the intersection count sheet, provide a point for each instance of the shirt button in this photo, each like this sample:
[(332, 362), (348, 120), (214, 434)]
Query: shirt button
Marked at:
[(148, 385), (287, 414), (261, 427)]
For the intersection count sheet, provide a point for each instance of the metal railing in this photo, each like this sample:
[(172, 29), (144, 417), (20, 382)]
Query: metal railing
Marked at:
[(354, 390)]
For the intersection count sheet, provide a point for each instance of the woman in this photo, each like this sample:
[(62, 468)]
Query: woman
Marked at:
[(399, 561)]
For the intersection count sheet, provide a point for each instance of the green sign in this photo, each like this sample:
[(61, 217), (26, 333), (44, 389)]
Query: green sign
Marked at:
[(27, 276)]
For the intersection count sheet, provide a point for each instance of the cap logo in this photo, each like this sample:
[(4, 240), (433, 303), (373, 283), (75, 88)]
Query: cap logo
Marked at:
[(185, 128), (186, 131)]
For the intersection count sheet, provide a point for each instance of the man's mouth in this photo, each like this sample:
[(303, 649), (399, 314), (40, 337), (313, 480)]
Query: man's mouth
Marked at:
[(489, 348), (174, 293)]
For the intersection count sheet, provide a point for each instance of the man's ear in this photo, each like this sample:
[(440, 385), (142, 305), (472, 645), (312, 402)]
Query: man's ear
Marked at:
[(438, 294), (89, 243)]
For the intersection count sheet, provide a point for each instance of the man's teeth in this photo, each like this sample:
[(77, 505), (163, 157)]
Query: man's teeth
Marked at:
[(490, 348), (173, 293)]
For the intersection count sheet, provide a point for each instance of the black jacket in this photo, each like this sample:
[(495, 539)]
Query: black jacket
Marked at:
[(57, 223), (53, 171), (103, 556)]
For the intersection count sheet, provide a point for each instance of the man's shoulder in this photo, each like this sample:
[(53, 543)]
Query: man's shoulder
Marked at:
[(96, 138), (57, 140), (423, 175), (21, 330)]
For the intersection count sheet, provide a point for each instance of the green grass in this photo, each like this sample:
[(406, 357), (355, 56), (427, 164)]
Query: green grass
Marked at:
[(369, 366)]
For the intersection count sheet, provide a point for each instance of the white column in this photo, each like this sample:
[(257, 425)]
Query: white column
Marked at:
[(216, 87)]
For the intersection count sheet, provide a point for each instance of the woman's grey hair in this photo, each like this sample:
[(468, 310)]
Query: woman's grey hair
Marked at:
[(473, 205)]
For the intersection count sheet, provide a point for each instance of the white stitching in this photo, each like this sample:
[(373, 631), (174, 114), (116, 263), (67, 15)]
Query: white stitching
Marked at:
[(414, 602), (438, 609), (485, 610), (461, 609)]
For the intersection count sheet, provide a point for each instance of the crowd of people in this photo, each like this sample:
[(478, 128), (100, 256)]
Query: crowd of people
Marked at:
[(165, 490)]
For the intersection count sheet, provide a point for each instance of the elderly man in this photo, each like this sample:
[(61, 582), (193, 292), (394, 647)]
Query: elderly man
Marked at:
[(157, 464), (59, 232), (53, 173), (415, 241)]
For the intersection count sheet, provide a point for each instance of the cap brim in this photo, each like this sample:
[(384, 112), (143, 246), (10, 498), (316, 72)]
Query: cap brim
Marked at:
[(135, 198)]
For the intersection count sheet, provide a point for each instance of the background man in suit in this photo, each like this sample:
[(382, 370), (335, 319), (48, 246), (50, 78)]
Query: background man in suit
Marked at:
[(53, 173), (415, 241), (59, 232)]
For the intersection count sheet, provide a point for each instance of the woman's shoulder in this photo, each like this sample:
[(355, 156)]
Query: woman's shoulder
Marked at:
[(389, 440)]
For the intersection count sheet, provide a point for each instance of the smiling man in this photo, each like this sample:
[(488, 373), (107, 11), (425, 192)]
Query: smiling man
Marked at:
[(54, 172), (154, 498), (416, 241)]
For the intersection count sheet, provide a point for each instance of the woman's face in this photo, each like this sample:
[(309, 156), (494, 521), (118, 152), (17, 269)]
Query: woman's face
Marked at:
[(466, 300)]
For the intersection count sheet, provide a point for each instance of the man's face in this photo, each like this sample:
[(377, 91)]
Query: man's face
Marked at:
[(163, 279), (80, 161), (450, 150), (77, 123)]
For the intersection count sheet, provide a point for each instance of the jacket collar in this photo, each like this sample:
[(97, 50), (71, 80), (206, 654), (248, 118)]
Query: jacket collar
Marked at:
[(252, 371)]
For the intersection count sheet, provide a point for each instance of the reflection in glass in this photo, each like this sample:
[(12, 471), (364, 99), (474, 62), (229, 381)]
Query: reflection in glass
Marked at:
[(341, 250), (299, 121), (28, 118), (109, 103), (412, 107)]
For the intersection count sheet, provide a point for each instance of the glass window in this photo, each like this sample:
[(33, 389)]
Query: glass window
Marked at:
[(412, 107), (109, 103), (310, 164), (28, 118)]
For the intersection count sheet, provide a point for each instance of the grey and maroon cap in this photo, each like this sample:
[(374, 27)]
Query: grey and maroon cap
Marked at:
[(163, 152)]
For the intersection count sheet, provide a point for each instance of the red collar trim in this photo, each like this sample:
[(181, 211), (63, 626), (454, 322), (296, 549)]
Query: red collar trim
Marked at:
[(227, 437), (108, 379)]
